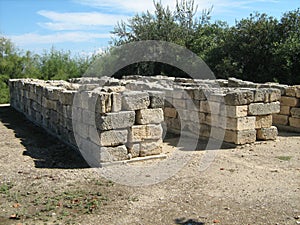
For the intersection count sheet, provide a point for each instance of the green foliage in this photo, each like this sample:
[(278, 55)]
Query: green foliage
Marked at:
[(259, 48), (55, 64)]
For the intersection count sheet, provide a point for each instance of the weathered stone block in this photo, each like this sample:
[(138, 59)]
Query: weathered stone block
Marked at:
[(157, 99), (170, 112), (280, 119), (193, 105), (49, 104), (113, 138), (258, 109), (116, 102), (240, 123), (151, 148), (134, 149), (100, 102), (294, 122), (110, 154), (199, 94), (234, 111), (210, 107), (270, 133), (263, 121), (240, 137), (66, 97), (289, 101), (112, 121), (243, 97), (285, 110), (135, 100), (179, 103), (145, 132), (147, 116), (295, 112), (291, 91)]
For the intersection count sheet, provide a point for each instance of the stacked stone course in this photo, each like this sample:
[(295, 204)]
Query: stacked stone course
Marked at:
[(110, 124), (119, 119), (288, 117)]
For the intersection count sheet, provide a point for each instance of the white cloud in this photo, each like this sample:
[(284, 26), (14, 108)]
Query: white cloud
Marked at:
[(78, 20), (72, 37), (140, 6)]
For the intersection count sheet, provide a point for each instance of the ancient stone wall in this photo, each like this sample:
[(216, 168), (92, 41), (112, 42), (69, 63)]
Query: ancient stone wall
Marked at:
[(122, 126), (289, 116), (119, 119)]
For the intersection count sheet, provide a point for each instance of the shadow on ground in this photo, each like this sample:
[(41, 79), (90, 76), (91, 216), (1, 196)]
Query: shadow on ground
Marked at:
[(46, 150), (183, 221)]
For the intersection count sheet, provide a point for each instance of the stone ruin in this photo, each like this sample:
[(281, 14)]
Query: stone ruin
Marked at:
[(121, 119)]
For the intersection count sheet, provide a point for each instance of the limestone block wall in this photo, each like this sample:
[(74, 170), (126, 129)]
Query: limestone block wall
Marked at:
[(289, 116), (209, 108), (110, 124)]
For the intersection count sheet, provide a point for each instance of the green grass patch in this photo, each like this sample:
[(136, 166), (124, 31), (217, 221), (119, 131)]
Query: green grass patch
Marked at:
[(284, 158)]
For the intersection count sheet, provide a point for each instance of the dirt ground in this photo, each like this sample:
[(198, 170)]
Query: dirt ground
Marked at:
[(46, 182)]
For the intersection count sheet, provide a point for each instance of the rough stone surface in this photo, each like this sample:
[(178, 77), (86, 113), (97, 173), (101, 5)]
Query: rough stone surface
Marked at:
[(263, 121), (135, 100), (112, 121), (267, 133), (140, 133), (113, 138), (285, 110), (151, 148), (258, 109), (234, 111), (294, 122), (147, 116), (109, 154), (289, 101), (239, 98), (170, 112), (242, 123), (240, 137), (280, 119), (295, 112), (157, 99)]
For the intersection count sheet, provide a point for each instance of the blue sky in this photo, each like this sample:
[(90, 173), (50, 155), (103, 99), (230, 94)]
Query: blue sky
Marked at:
[(83, 26)]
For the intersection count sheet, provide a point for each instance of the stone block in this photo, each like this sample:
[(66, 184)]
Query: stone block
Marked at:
[(240, 137), (53, 93), (140, 133), (135, 100), (258, 109), (170, 112), (234, 111), (110, 154), (116, 102), (210, 107), (263, 121), (199, 94), (242, 97), (113, 121), (153, 147), (100, 102), (270, 133), (294, 122), (179, 103), (113, 138), (295, 112), (289, 101), (134, 150), (157, 99), (147, 116), (240, 123), (285, 110), (49, 104), (280, 119), (291, 91), (193, 105), (66, 97)]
